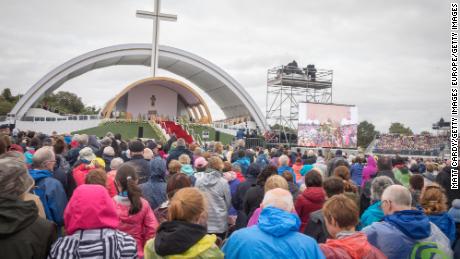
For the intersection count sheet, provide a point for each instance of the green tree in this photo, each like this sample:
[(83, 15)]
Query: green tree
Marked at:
[(6, 93), (5, 106), (7, 101), (63, 102), (399, 128), (366, 133)]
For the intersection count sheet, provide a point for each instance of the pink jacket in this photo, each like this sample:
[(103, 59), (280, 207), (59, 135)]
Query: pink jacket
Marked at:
[(369, 170), (90, 208), (141, 226)]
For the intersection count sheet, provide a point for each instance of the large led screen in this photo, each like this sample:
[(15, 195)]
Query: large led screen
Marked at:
[(327, 125)]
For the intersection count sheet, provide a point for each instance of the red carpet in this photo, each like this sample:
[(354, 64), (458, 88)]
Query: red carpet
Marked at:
[(171, 127)]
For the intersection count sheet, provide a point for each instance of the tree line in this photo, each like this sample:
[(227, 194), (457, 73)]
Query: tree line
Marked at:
[(61, 102)]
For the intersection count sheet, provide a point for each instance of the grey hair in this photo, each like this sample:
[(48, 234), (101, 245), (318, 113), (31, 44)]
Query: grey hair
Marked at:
[(116, 163), (42, 155), (278, 198), (180, 142), (241, 143), (106, 141), (82, 139), (398, 194), (283, 160), (379, 184)]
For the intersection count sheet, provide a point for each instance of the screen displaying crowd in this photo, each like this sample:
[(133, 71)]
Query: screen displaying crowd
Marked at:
[(418, 144), (327, 125), (80, 196)]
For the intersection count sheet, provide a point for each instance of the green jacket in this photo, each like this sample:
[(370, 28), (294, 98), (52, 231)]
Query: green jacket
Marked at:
[(203, 249), (402, 175)]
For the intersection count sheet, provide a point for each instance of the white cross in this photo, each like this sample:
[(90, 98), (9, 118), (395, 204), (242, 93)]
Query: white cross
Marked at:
[(156, 16)]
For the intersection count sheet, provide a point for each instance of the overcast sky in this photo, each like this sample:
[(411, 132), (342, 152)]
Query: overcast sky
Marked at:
[(390, 58)]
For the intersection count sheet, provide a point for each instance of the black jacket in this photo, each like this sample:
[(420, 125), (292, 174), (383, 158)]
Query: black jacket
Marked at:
[(237, 201), (142, 168), (253, 199), (444, 179), (316, 227), (332, 164), (22, 233)]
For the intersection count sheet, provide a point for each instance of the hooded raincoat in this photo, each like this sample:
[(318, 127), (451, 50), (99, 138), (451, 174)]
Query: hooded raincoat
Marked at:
[(180, 239), (22, 233), (353, 246), (154, 190), (445, 223), (406, 233), (217, 190), (275, 236), (90, 222), (51, 193), (369, 170), (372, 214), (310, 200)]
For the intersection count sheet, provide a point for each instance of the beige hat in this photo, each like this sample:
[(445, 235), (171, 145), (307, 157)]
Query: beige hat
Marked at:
[(14, 177), (87, 154)]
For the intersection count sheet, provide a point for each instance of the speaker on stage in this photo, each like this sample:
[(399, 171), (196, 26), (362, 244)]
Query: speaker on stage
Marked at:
[(217, 136), (140, 132)]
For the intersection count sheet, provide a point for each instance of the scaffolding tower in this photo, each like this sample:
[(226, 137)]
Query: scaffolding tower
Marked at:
[(287, 86)]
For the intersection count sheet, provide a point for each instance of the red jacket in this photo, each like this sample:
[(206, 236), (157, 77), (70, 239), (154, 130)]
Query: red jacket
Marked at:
[(79, 173), (354, 246), (296, 167), (240, 176), (310, 200)]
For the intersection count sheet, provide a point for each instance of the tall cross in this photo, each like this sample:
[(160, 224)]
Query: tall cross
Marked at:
[(156, 16)]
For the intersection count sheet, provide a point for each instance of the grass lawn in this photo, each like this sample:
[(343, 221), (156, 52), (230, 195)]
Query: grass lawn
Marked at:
[(128, 130), (198, 129)]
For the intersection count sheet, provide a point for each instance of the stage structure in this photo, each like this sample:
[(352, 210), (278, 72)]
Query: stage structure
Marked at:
[(289, 85), (227, 93)]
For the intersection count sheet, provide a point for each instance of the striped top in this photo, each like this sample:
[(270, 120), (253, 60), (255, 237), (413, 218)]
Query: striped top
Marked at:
[(95, 243)]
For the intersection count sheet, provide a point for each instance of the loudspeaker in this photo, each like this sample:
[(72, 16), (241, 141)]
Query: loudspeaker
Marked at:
[(140, 132), (217, 136)]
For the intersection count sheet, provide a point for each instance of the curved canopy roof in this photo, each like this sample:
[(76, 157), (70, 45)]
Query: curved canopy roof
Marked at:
[(187, 94), (220, 86)]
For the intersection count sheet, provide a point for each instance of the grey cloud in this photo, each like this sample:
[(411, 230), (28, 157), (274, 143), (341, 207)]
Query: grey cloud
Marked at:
[(389, 57)]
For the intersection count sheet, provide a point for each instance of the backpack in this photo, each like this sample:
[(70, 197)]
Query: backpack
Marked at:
[(427, 250), (39, 190)]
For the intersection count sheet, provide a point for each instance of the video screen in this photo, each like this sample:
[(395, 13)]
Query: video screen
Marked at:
[(327, 125)]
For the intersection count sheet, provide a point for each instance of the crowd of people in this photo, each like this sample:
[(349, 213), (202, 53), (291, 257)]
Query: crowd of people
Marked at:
[(64, 196), (421, 144)]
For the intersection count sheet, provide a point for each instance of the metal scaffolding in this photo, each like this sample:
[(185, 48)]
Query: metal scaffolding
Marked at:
[(287, 86)]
